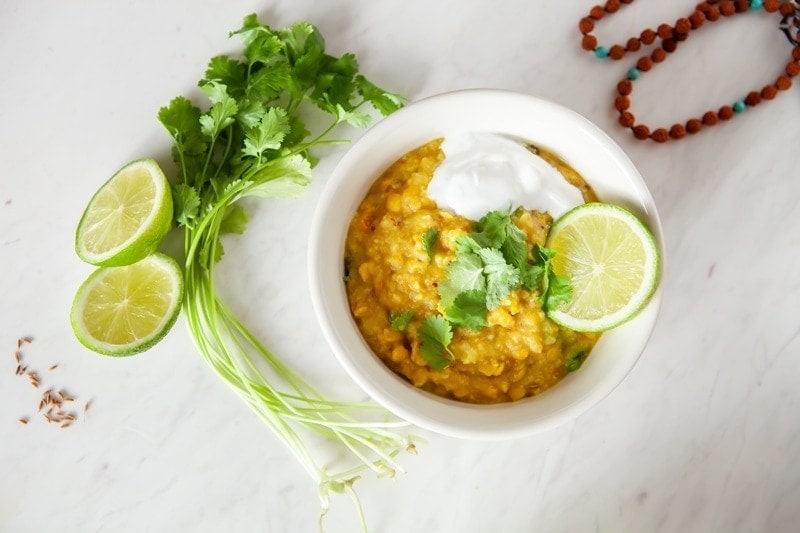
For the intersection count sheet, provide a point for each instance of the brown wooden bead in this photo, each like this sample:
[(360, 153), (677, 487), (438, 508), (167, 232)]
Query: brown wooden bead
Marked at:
[(627, 120), (727, 8), (753, 98), (597, 12), (658, 55), (644, 64), (612, 6), (669, 45), (769, 92), (783, 82), (616, 52), (693, 125), (741, 5), (633, 44), (621, 103), (792, 69), (677, 131), (725, 112), (626, 1), (796, 53), (710, 118), (697, 19), (786, 9), (712, 13), (771, 6), (641, 132), (647, 36), (589, 42), (682, 25), (680, 37), (586, 25), (625, 87), (661, 135), (664, 31)]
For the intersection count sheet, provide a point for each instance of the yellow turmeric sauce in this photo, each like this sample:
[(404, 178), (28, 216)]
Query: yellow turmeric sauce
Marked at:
[(519, 353)]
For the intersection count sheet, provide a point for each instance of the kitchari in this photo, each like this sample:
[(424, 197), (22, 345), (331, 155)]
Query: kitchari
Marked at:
[(447, 273)]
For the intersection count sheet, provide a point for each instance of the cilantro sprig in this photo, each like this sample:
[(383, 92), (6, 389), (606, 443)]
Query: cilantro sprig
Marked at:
[(491, 262), (250, 139)]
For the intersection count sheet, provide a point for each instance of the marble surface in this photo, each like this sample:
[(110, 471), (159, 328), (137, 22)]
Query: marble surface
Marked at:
[(703, 435)]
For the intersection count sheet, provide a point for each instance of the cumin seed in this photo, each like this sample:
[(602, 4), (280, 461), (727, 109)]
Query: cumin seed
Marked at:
[(23, 420), (53, 367)]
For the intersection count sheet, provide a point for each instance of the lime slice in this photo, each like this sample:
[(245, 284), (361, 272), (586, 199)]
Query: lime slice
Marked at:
[(127, 217), (125, 310), (612, 262)]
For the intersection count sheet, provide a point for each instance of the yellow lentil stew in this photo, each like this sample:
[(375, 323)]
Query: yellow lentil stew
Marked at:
[(519, 353)]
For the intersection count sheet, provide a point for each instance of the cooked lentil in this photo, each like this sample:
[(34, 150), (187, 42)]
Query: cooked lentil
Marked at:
[(520, 353)]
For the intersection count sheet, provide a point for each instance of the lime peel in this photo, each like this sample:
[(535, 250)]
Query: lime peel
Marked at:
[(612, 262)]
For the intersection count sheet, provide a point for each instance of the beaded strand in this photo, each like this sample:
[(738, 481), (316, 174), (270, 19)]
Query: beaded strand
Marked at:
[(669, 37)]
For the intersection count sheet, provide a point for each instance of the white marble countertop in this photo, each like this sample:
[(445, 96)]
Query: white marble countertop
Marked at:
[(703, 435)]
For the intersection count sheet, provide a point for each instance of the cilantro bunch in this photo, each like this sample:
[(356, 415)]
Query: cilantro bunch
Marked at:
[(251, 141), (490, 263)]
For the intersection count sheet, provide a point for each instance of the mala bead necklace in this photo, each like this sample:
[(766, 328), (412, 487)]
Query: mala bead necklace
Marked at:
[(669, 37)]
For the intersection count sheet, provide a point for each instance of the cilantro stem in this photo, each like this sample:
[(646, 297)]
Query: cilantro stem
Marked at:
[(250, 136)]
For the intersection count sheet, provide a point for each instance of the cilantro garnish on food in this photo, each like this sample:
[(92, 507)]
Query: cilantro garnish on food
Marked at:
[(435, 334), (429, 239), (490, 264), (400, 321)]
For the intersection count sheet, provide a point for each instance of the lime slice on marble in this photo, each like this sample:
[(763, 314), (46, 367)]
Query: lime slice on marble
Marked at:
[(127, 218), (127, 309)]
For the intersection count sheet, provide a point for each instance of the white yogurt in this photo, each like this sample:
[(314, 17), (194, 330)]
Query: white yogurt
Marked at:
[(484, 172)]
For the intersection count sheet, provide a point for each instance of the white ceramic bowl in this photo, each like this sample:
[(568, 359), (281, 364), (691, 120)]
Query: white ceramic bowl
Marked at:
[(584, 146)]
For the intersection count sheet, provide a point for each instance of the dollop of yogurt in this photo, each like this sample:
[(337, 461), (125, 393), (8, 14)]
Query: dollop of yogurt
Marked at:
[(484, 172)]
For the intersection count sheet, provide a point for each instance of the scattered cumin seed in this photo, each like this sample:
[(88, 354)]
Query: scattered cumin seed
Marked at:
[(23, 420), (65, 425), (18, 371), (47, 417), (18, 356), (53, 367)]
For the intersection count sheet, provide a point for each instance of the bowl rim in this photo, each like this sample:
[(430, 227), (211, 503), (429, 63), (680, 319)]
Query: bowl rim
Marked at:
[(441, 415)]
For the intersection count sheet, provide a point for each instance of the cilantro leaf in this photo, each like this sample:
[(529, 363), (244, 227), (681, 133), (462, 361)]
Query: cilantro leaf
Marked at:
[(575, 360), (463, 274), (354, 118), (281, 178), (234, 220), (553, 289), (229, 72), (559, 291), (222, 111), (466, 244), (385, 102), (531, 277), (181, 120), (468, 310), (267, 134), (515, 246), (268, 82), (435, 334), (501, 277), (400, 321), (186, 204), (429, 239), (491, 229)]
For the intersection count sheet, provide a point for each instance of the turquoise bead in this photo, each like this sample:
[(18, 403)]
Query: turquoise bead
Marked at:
[(738, 106), (601, 51), (756, 4), (633, 73)]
